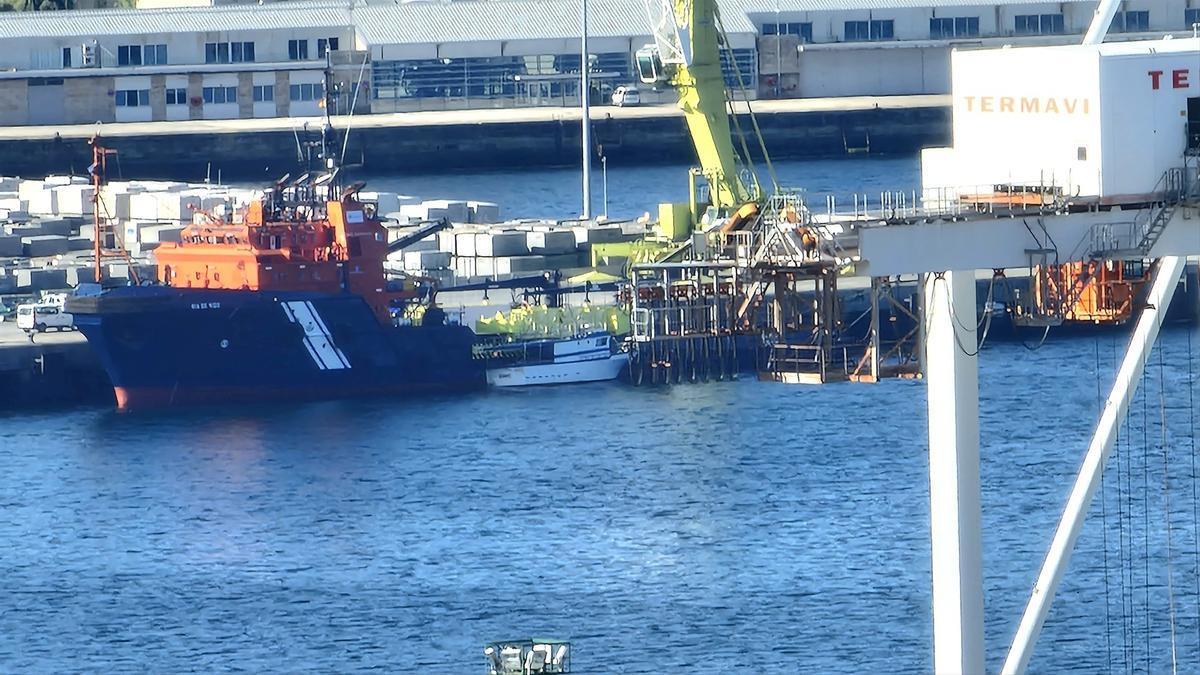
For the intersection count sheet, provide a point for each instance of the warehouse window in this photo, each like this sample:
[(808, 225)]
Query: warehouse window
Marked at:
[(1191, 17), (129, 55), (529, 80), (241, 52), (216, 52), (66, 57), (132, 98), (177, 96), (298, 50), (1038, 24), (326, 44), (882, 29), (945, 28), (801, 29), (876, 29), (305, 92), (264, 93), (1131, 22), (154, 55), (220, 94)]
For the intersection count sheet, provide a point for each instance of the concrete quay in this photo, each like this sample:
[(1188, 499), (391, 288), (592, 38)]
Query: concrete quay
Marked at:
[(495, 138), (55, 369)]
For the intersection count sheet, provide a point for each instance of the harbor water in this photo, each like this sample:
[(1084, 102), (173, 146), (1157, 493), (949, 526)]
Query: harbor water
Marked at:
[(727, 527)]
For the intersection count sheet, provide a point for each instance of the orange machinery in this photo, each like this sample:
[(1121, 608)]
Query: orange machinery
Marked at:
[(1101, 292)]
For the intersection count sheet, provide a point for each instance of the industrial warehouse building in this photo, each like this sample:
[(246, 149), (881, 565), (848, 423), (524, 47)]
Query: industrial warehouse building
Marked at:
[(267, 60)]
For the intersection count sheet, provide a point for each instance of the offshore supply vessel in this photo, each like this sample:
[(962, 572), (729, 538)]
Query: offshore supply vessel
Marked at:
[(291, 301)]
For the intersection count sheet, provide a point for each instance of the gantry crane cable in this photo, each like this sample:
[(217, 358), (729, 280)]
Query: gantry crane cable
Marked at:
[(1104, 522), (745, 99), (1195, 501), (1162, 412), (1146, 515), (1125, 532)]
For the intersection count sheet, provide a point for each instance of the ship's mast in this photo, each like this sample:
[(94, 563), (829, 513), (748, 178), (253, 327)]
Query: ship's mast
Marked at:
[(99, 172)]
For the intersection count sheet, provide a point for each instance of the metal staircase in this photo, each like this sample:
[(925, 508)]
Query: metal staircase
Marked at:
[(1174, 193), (1173, 190)]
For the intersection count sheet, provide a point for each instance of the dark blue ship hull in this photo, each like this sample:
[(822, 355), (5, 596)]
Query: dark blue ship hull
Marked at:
[(165, 346)]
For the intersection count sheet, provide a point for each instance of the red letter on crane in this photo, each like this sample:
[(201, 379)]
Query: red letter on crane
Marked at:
[(1154, 75), (1179, 79)]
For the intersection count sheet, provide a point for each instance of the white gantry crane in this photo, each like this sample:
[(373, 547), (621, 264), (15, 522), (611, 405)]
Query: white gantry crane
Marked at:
[(1103, 137)]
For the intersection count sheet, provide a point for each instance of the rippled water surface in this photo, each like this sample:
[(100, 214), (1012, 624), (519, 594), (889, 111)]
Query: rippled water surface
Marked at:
[(697, 528), (634, 189), (728, 527)]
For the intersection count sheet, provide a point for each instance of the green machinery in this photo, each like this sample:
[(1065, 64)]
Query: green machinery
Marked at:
[(686, 55)]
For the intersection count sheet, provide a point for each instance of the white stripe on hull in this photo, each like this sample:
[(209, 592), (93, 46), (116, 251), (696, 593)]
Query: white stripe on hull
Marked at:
[(317, 339)]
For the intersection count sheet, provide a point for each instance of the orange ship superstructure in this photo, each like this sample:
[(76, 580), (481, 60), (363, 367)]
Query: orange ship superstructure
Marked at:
[(280, 244)]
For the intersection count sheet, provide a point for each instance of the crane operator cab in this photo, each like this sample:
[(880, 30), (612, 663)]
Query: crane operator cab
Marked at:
[(650, 66)]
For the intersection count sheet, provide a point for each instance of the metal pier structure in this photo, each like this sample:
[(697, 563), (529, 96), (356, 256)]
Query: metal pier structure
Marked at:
[(766, 293)]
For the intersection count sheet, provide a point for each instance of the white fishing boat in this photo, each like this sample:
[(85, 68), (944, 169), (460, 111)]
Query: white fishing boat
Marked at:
[(593, 357)]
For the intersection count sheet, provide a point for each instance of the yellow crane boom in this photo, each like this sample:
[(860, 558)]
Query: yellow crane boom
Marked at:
[(687, 56)]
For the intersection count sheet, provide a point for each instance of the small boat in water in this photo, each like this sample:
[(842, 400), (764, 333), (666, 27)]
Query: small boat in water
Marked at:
[(533, 656), (592, 357)]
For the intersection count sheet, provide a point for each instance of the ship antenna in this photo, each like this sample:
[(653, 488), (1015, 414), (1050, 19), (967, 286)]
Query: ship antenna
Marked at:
[(353, 104), (327, 140)]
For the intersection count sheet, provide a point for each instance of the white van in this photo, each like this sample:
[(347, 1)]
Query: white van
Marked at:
[(626, 96), (41, 317)]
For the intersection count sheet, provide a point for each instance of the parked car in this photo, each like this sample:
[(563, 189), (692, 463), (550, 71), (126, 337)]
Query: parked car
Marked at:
[(626, 96), (42, 316)]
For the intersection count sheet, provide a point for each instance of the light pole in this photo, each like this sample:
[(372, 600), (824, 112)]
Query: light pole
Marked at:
[(604, 180), (778, 51), (586, 133)]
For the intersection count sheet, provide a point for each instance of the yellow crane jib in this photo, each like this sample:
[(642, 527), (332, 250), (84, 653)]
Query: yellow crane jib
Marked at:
[(687, 56)]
